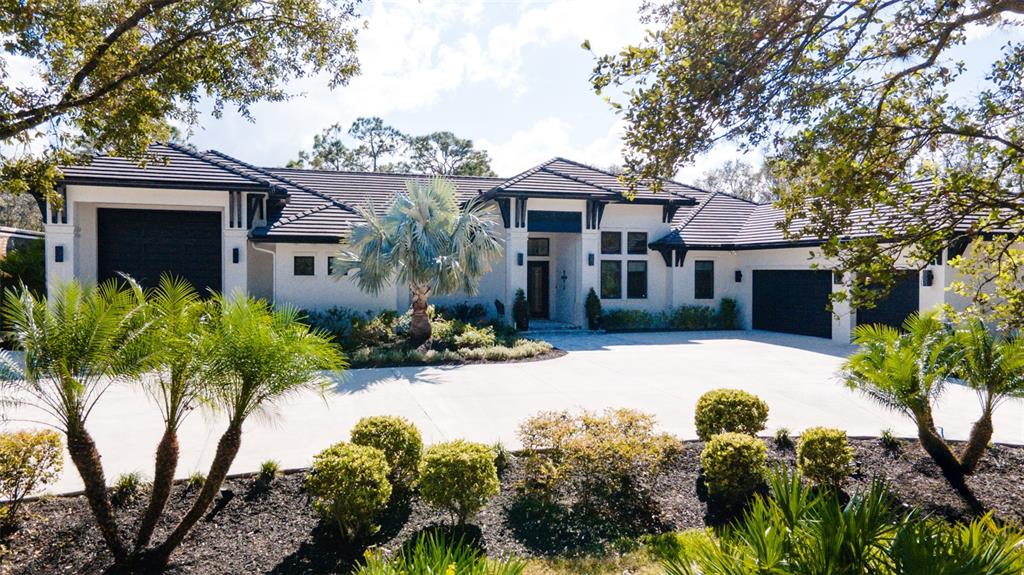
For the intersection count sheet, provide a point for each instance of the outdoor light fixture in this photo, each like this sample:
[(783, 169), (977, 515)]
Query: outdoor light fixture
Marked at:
[(234, 255), (58, 254), (739, 276), (927, 278), (590, 259), (519, 259)]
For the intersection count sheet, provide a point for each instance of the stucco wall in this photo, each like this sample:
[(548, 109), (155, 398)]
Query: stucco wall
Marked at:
[(625, 218), (321, 291)]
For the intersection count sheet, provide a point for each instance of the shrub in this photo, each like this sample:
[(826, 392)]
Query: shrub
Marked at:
[(458, 477), (823, 456), (432, 554), (783, 439), (269, 470), (475, 337), (592, 307), (195, 481), (126, 488), (889, 441), (627, 319), (28, 461), (502, 457), (734, 466), (729, 410), (692, 317), (336, 321), (728, 314), (605, 462), (521, 311), (348, 486), (400, 442), (475, 314)]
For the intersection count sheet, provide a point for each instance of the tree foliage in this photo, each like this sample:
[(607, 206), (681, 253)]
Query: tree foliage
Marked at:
[(851, 101), (112, 76), (738, 178), (383, 148)]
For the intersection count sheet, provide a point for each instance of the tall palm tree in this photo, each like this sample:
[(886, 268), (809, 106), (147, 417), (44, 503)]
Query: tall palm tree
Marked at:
[(906, 371), (994, 368), (258, 356), (75, 347), (427, 241), (180, 361)]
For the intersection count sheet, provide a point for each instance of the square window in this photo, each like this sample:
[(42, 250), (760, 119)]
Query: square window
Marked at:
[(704, 279), (636, 280), (611, 279), (538, 247), (611, 242), (337, 266), (636, 243), (304, 265)]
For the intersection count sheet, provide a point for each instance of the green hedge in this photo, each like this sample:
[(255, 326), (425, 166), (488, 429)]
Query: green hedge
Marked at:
[(682, 318)]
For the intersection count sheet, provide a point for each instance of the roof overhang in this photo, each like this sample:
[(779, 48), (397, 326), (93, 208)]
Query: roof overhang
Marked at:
[(163, 184)]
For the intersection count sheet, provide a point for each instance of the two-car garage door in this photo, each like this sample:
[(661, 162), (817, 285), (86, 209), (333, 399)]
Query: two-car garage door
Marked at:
[(148, 243), (796, 301)]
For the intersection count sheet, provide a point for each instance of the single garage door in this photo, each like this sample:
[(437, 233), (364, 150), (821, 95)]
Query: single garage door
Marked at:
[(793, 301), (148, 243), (903, 299)]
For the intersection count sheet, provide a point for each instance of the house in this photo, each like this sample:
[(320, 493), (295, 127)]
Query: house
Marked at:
[(229, 226), (15, 238)]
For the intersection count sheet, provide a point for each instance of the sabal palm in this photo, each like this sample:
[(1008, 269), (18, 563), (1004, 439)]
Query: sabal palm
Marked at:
[(425, 240), (994, 368), (180, 362), (75, 347), (258, 356)]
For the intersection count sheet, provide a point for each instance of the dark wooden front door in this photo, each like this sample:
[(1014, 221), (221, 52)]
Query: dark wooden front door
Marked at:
[(537, 289)]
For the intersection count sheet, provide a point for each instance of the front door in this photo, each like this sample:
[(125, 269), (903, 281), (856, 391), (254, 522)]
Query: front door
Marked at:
[(537, 289)]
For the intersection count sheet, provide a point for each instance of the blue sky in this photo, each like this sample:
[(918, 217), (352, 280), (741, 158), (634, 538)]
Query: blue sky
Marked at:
[(510, 75)]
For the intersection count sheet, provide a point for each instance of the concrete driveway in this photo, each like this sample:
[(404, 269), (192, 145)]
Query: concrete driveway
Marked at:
[(660, 373)]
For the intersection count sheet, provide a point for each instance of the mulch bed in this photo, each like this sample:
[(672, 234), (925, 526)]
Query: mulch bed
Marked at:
[(552, 353), (274, 531)]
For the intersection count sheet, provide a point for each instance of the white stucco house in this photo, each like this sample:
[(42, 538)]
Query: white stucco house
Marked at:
[(272, 232)]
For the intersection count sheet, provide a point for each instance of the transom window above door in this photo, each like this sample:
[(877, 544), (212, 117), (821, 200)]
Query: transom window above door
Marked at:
[(538, 247)]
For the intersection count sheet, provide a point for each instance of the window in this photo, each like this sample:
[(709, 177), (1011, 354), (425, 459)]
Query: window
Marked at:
[(636, 280), (611, 279), (304, 265), (336, 266), (611, 242), (636, 243), (704, 279), (537, 247)]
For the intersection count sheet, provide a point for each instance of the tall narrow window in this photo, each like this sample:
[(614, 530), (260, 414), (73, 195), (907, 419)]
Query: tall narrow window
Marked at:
[(636, 280), (636, 243), (611, 242), (304, 265), (611, 279), (704, 279)]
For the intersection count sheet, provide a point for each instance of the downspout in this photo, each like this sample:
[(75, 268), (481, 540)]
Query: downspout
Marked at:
[(273, 270)]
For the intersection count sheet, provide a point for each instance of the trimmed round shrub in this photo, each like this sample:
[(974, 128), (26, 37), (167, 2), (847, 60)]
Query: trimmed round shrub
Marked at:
[(400, 441), (734, 465), (348, 485), (729, 411), (824, 456), (458, 477)]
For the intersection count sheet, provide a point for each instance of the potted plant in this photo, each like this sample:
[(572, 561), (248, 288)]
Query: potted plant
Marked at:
[(592, 307), (520, 311)]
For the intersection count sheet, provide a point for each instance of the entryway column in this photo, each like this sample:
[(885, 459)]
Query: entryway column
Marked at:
[(590, 275), (515, 266)]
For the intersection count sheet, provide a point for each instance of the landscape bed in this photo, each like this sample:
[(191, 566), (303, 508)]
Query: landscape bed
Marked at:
[(275, 530)]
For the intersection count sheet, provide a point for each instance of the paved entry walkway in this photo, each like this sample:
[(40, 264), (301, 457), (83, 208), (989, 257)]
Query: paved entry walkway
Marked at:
[(660, 373)]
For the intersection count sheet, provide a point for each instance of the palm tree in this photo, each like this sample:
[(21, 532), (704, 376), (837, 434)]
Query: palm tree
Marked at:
[(994, 368), (258, 355), (427, 241), (75, 347), (181, 362), (906, 371)]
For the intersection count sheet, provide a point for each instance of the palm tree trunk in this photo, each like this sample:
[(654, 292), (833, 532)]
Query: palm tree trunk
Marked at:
[(943, 456), (420, 329), (87, 461), (977, 443), (163, 481), (227, 449)]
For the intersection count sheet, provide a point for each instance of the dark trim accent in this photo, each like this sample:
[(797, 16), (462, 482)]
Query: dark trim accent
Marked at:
[(668, 213), (666, 254), (58, 254), (680, 257), (162, 185), (235, 255), (958, 246), (295, 239), (521, 213), (505, 209)]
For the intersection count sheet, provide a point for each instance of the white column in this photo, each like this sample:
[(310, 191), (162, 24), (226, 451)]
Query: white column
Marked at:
[(843, 317), (515, 266), (60, 236), (236, 276)]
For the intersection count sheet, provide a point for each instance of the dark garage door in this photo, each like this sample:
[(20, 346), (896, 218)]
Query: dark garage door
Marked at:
[(904, 299), (793, 301), (147, 243)]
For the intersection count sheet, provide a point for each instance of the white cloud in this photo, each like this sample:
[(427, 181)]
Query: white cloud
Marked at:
[(548, 138)]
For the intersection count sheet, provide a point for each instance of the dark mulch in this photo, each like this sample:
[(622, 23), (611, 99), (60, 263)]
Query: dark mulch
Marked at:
[(274, 531)]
